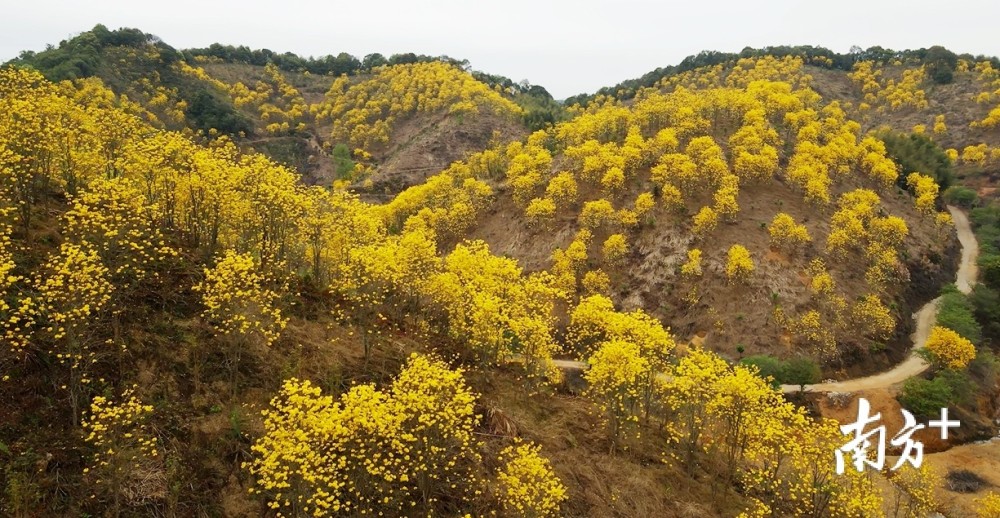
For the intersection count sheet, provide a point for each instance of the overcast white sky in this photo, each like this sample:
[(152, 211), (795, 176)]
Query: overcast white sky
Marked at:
[(567, 47)]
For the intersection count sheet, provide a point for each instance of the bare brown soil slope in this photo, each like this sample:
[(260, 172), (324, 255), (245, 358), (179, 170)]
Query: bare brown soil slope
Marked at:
[(423, 145), (728, 316), (419, 146)]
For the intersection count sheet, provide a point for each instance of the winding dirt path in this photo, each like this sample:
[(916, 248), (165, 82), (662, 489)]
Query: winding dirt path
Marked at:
[(913, 365)]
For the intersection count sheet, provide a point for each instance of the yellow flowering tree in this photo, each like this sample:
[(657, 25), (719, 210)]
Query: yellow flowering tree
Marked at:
[(7, 276), (926, 191), (790, 468), (739, 264), (914, 490), (645, 345), (596, 282), (364, 112), (726, 196), (872, 318), (495, 309), (744, 410), (73, 289), (615, 376), (615, 248), (116, 220), (787, 234), (562, 189), (540, 211), (704, 221), (644, 203), (379, 278), (692, 267), (688, 395), (126, 464), (438, 413), (528, 486), (596, 213), (239, 305), (949, 349), (371, 451), (940, 128)]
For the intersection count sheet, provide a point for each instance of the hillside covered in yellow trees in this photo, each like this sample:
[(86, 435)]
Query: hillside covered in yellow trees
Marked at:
[(242, 283)]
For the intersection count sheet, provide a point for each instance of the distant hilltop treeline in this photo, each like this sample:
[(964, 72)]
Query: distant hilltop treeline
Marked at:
[(80, 57), (127, 57), (101, 37), (940, 63)]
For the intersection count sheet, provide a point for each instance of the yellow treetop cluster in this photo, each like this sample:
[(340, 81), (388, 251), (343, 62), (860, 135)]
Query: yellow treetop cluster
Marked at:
[(940, 128), (116, 219), (540, 210), (448, 202), (988, 79), (739, 264), (625, 352), (528, 485), (394, 451), (833, 319), (75, 287), (527, 165), (280, 104), (616, 376), (872, 318), (496, 309), (915, 489), (785, 233), (692, 267), (888, 93), (568, 264), (975, 154), (615, 248), (926, 191), (949, 348), (238, 302), (704, 221), (7, 276), (562, 189), (596, 282), (363, 112), (857, 226), (125, 449), (771, 445)]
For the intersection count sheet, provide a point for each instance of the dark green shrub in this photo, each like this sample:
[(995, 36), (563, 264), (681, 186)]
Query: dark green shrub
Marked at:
[(767, 365), (925, 398), (940, 64), (989, 269), (957, 312), (342, 162), (985, 216), (986, 304), (917, 152), (801, 371), (961, 196), (208, 111)]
